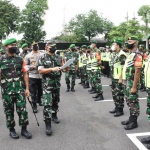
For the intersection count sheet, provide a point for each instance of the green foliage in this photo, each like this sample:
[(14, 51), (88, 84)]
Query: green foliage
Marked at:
[(9, 15), (31, 21)]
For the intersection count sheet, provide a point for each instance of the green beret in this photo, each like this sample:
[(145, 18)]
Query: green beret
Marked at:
[(94, 42), (89, 46), (118, 41), (84, 46), (10, 41), (148, 37), (24, 45), (141, 45), (72, 45), (1, 50), (52, 45), (133, 38)]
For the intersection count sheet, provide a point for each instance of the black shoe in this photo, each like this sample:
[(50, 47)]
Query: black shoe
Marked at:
[(146, 140), (35, 108), (131, 126), (86, 86), (48, 127), (55, 118), (118, 113), (126, 122), (80, 83), (148, 146), (90, 90), (93, 92), (13, 134), (113, 111), (99, 98), (96, 96), (67, 90), (72, 89), (40, 104), (25, 133), (143, 90)]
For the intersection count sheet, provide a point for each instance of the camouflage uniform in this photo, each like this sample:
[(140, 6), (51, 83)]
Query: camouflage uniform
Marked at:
[(23, 54), (117, 89), (13, 89), (51, 84), (72, 70)]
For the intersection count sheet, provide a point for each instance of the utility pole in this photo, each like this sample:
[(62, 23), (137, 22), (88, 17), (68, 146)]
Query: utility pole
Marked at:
[(127, 18), (134, 17)]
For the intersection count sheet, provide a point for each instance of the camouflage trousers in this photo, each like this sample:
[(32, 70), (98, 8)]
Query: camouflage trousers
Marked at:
[(125, 94), (85, 76), (8, 103), (50, 100), (96, 81), (70, 74), (117, 94), (148, 103), (142, 80), (89, 74), (81, 74), (132, 100)]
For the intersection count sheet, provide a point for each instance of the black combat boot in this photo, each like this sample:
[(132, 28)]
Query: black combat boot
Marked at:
[(86, 86), (113, 111), (96, 96), (99, 98), (126, 122), (119, 112), (91, 90), (68, 88), (148, 146), (83, 83), (80, 82), (132, 123), (25, 133), (146, 140), (35, 108), (48, 127), (72, 89), (55, 118), (13, 133)]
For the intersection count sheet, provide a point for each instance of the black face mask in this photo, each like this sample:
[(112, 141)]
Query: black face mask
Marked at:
[(130, 46), (73, 49), (35, 47), (13, 50), (149, 46), (52, 50), (88, 51)]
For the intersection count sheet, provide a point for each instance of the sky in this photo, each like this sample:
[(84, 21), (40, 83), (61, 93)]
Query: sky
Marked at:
[(61, 11)]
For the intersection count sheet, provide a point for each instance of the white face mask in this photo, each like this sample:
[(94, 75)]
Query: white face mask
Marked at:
[(113, 48), (91, 46)]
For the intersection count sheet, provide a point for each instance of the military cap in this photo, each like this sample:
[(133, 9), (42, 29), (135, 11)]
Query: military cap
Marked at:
[(52, 45), (94, 42), (118, 41), (148, 37), (141, 45), (10, 41), (72, 45), (133, 38), (84, 46), (24, 45), (89, 46), (1, 50)]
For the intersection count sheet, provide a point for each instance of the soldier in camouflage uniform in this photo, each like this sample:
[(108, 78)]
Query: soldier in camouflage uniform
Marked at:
[(96, 66), (73, 68), (133, 65), (49, 65), (24, 50), (147, 84), (117, 88), (13, 71)]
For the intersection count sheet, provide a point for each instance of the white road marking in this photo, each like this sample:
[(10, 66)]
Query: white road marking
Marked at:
[(105, 85), (133, 138)]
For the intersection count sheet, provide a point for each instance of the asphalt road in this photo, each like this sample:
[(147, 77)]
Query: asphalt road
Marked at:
[(84, 124)]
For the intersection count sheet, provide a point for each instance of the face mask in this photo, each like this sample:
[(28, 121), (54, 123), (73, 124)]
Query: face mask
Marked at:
[(73, 49), (13, 50), (91, 46), (52, 50), (113, 48), (35, 47), (88, 51), (130, 46)]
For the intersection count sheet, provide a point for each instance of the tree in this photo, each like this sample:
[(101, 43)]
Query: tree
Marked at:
[(88, 25), (144, 12), (32, 21), (9, 18)]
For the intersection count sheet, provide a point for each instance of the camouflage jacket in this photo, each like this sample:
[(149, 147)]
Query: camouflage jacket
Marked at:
[(12, 74), (70, 55), (51, 80)]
